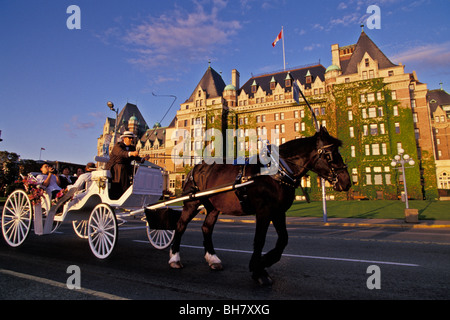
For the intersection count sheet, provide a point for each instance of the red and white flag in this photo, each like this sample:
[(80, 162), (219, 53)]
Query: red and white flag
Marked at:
[(280, 35)]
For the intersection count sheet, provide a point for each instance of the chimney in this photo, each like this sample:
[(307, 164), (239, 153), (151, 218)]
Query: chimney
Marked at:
[(335, 55), (235, 78)]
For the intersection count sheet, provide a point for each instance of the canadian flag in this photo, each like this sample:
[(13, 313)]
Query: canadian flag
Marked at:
[(280, 35)]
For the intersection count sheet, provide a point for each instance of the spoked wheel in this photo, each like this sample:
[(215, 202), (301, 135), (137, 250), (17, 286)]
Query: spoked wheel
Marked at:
[(81, 228), (102, 231), (160, 239), (16, 218)]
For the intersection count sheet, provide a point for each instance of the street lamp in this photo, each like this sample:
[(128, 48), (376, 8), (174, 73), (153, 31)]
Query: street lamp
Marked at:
[(111, 107), (401, 159)]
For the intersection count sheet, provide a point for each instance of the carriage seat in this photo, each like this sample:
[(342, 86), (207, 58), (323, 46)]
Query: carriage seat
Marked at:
[(100, 174)]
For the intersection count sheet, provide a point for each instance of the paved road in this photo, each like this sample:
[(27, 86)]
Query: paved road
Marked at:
[(320, 262)]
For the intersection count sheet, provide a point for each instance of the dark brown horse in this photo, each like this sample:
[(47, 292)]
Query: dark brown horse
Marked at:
[(269, 197)]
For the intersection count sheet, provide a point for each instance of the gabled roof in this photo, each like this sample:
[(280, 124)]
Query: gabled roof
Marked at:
[(300, 74), (127, 112), (437, 98), (212, 83), (365, 44)]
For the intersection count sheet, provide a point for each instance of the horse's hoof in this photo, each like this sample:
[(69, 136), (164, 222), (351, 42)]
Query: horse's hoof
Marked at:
[(216, 266), (263, 279), (176, 265)]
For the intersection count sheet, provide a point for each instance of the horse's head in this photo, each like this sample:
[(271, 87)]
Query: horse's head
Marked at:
[(327, 162)]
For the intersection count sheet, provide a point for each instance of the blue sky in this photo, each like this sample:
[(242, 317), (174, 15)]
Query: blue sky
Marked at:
[(55, 82)]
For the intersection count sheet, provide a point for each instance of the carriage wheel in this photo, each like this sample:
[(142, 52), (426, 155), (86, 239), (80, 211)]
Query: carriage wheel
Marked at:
[(16, 218), (81, 228), (102, 231), (160, 239)]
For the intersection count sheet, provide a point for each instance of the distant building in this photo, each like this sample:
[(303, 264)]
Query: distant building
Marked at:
[(439, 104)]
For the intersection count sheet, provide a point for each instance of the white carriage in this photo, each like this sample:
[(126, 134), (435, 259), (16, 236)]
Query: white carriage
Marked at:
[(93, 214)]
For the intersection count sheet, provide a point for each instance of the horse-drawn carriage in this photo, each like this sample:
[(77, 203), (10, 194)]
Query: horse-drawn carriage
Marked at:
[(268, 196), (93, 214)]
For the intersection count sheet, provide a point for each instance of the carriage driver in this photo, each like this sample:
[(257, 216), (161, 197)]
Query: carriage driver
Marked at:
[(120, 164)]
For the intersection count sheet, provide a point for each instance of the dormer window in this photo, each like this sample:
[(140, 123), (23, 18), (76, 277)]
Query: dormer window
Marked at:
[(308, 77), (254, 86), (288, 81), (273, 84)]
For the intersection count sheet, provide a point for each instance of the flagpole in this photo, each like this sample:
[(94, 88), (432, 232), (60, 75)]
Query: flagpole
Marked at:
[(284, 55)]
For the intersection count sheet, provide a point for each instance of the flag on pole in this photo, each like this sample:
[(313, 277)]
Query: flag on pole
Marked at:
[(280, 35)]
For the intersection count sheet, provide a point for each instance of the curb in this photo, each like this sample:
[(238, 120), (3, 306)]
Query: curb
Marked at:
[(400, 224)]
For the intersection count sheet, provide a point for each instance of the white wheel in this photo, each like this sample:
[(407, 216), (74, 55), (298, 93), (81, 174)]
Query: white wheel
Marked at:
[(16, 218), (81, 228), (160, 239), (102, 231)]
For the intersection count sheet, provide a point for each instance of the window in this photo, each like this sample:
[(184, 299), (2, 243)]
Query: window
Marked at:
[(366, 62), (382, 130), (371, 74), (353, 151), (380, 111), (302, 113), (303, 127), (374, 129), (282, 128), (365, 130), (390, 73), (364, 113), (349, 101), (394, 95), (282, 116), (370, 97), (277, 116), (397, 127), (372, 112), (296, 114), (378, 179), (395, 111), (296, 126), (379, 96), (362, 98), (364, 75), (417, 133), (352, 133), (367, 149), (375, 149), (350, 115), (355, 175), (384, 149)]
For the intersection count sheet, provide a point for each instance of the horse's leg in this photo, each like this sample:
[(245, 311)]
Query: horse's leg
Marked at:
[(207, 229), (274, 255), (257, 268), (189, 212)]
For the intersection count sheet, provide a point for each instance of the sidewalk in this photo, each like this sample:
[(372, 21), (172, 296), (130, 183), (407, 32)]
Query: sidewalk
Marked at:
[(343, 222)]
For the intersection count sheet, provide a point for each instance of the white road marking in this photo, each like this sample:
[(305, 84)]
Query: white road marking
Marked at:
[(53, 283), (305, 256)]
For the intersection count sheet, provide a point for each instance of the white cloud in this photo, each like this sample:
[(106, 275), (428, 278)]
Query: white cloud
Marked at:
[(429, 55), (180, 36)]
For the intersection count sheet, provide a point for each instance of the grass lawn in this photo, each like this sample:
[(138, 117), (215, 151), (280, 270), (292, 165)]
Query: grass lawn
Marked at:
[(378, 209)]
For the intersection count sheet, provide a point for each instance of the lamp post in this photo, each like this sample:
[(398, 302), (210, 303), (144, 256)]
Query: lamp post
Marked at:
[(111, 107), (401, 159)]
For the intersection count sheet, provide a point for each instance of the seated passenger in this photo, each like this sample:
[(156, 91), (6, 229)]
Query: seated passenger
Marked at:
[(120, 164), (84, 180), (49, 180), (65, 179)]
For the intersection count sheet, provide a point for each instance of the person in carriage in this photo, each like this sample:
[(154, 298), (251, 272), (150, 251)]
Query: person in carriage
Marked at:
[(49, 180), (119, 164)]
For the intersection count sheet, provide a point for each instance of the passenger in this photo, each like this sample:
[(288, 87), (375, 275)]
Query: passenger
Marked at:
[(120, 164), (65, 178), (84, 180), (49, 180)]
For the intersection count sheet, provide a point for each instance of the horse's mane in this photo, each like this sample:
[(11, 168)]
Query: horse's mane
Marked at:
[(296, 146)]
